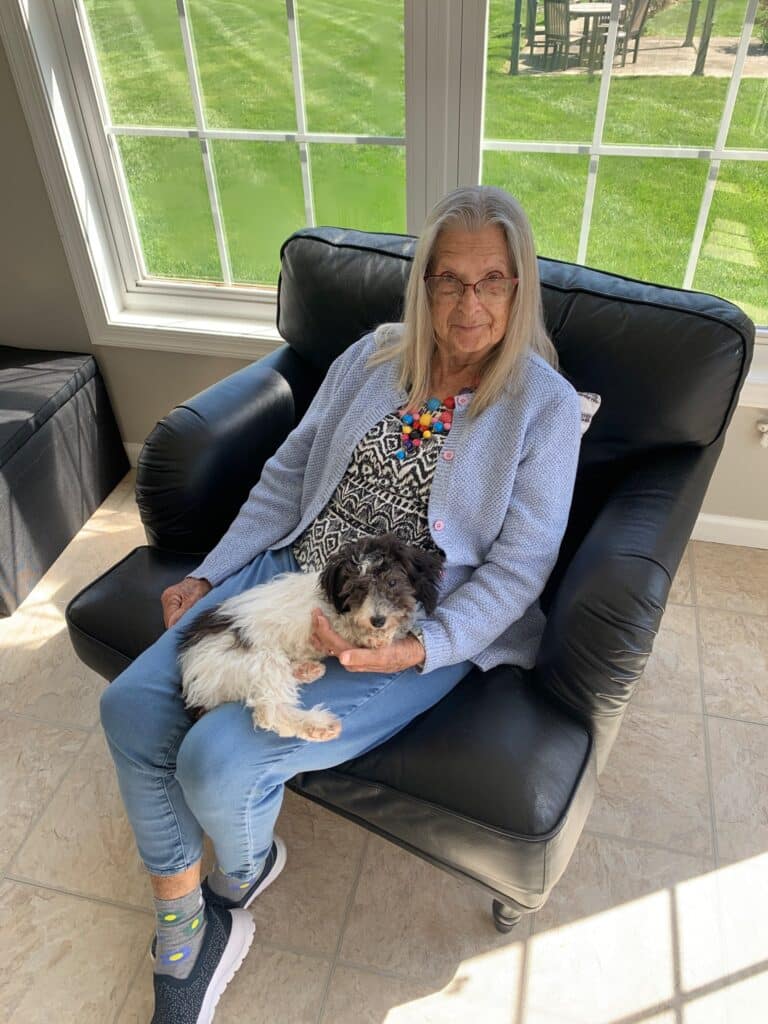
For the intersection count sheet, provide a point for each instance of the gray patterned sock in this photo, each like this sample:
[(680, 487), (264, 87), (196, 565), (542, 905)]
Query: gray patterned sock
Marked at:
[(180, 928), (228, 886)]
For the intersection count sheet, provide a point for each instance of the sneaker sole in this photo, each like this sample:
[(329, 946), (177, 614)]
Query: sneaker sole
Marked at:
[(240, 939), (280, 859)]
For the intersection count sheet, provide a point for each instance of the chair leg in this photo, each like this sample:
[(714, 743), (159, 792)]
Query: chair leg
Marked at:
[(505, 917), (637, 47)]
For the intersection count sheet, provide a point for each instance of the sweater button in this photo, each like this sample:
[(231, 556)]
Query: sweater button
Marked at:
[(439, 524), (447, 456)]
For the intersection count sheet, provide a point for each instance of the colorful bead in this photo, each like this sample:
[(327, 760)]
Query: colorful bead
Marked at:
[(434, 417)]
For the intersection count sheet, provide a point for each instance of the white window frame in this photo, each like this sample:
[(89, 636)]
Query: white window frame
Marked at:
[(445, 48)]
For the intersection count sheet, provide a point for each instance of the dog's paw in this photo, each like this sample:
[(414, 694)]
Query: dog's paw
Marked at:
[(307, 671), (319, 726)]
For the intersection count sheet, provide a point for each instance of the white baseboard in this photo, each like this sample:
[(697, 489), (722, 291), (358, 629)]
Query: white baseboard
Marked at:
[(748, 533)]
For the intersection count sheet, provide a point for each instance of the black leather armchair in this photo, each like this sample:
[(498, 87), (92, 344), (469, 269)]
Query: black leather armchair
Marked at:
[(495, 782)]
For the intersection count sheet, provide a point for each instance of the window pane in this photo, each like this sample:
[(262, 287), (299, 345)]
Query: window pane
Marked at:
[(524, 100), (644, 216), (141, 59), (170, 201), (550, 188), (262, 203), (358, 186), (734, 256), (669, 93), (352, 56), (244, 63), (749, 125)]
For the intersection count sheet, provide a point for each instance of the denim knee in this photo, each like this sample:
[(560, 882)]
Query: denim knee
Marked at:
[(114, 712), (207, 766)]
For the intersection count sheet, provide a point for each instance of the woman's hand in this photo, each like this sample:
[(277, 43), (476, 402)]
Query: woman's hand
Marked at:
[(395, 657), (179, 598)]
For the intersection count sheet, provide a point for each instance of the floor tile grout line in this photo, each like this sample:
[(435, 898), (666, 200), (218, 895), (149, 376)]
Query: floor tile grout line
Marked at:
[(56, 724), (39, 816), (645, 844), (733, 718), (35, 883), (129, 988), (705, 723), (730, 611), (343, 927)]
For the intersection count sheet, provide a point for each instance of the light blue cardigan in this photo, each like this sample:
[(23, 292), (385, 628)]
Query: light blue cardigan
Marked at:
[(498, 508)]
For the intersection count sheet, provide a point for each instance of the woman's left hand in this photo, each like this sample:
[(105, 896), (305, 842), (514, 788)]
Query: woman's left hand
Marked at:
[(395, 657)]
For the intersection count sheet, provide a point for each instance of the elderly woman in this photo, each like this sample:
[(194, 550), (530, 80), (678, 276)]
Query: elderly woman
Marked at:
[(488, 481)]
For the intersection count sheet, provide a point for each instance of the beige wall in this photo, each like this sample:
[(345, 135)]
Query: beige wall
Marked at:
[(39, 308)]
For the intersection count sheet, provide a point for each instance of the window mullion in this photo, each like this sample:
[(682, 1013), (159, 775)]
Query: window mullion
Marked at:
[(208, 166), (722, 137), (301, 112), (597, 135)]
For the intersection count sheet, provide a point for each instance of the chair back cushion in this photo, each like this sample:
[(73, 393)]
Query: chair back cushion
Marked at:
[(666, 362)]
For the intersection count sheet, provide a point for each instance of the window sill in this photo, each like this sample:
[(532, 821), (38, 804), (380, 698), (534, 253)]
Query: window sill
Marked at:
[(190, 335)]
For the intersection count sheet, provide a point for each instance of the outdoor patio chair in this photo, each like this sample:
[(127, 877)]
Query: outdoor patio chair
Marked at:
[(558, 32), (535, 33), (631, 27), (494, 783)]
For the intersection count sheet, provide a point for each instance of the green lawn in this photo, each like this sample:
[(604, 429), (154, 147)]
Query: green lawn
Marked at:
[(673, 20), (352, 52)]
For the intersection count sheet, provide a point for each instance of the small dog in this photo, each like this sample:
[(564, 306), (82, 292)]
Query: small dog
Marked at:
[(255, 647)]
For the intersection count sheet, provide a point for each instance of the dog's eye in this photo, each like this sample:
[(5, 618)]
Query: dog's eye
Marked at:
[(391, 582)]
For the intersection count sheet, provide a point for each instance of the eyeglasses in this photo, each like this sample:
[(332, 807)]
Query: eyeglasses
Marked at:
[(488, 289)]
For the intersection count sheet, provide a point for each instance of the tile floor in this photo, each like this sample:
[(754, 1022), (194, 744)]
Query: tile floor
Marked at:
[(661, 917)]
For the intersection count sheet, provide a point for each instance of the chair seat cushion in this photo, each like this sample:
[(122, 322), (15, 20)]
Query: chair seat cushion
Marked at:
[(119, 615), (494, 782)]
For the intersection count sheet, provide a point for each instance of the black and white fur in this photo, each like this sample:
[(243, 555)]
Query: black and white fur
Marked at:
[(255, 647)]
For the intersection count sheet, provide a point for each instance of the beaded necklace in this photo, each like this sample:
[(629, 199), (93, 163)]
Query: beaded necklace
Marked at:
[(422, 424)]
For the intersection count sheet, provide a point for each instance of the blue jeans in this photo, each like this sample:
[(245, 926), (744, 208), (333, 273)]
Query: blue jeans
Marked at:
[(220, 774)]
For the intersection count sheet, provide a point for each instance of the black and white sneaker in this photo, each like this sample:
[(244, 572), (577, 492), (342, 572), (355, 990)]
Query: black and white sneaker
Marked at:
[(227, 939), (273, 865)]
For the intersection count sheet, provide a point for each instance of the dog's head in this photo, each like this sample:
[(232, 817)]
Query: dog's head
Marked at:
[(377, 583)]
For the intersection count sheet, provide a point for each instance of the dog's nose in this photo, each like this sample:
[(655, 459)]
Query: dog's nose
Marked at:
[(378, 620)]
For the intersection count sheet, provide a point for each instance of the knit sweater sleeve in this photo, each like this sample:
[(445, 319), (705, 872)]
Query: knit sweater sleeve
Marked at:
[(273, 506), (523, 555)]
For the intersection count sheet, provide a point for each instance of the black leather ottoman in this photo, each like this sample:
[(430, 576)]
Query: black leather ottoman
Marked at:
[(60, 456)]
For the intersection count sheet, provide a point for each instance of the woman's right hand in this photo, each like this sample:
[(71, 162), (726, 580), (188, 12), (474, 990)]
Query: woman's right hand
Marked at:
[(179, 597)]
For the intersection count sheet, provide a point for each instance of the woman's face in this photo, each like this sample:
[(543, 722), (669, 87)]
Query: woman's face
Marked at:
[(468, 328)]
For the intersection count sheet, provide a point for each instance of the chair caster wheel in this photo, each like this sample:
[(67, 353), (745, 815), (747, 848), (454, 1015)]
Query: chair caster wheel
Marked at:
[(505, 917)]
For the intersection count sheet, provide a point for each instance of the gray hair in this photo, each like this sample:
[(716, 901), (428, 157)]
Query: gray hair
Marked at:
[(470, 208)]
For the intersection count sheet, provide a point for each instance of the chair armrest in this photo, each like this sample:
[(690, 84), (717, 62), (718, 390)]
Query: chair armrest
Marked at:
[(199, 463), (607, 610)]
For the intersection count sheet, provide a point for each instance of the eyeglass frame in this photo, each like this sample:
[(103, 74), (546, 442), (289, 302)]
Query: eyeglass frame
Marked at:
[(467, 284)]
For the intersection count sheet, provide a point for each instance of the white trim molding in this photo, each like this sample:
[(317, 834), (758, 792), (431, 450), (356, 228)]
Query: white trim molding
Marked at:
[(745, 533)]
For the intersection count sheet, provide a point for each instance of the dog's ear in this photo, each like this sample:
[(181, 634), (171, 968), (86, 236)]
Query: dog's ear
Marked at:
[(332, 578), (424, 568)]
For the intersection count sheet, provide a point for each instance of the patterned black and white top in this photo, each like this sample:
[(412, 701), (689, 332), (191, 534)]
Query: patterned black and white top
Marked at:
[(379, 493)]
